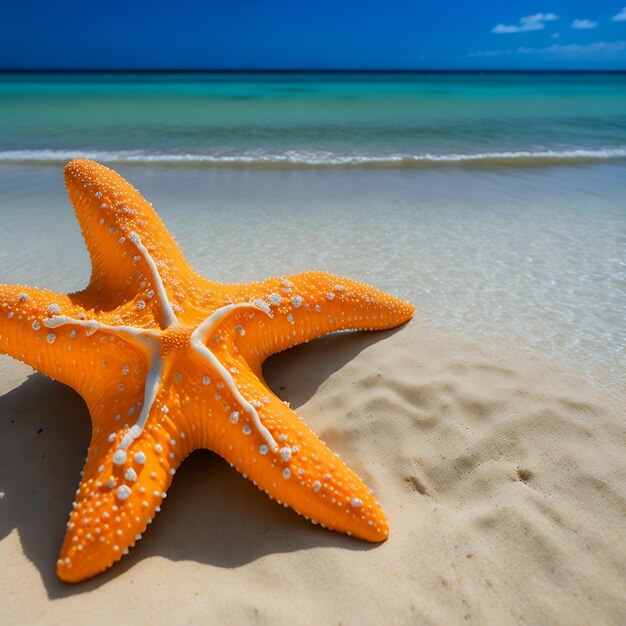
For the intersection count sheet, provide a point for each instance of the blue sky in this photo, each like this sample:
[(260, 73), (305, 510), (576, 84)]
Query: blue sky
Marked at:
[(288, 34)]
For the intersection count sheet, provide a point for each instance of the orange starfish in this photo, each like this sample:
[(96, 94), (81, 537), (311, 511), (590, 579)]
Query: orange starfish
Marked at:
[(168, 362)]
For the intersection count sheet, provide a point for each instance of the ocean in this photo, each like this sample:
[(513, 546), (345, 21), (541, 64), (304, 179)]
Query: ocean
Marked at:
[(314, 120), (494, 202)]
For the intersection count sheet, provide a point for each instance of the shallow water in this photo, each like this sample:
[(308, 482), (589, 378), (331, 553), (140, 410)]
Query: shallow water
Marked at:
[(535, 257)]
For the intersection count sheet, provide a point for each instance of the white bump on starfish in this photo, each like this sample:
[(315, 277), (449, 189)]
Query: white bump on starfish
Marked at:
[(119, 457), (123, 492), (140, 457)]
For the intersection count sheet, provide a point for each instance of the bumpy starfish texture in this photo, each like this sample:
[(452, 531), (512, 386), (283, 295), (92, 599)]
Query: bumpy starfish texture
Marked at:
[(168, 362)]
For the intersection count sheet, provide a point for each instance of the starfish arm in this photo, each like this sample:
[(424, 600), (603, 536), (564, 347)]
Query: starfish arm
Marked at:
[(305, 475), (308, 305), (126, 475), (302, 473), (133, 255), (24, 335), (299, 471)]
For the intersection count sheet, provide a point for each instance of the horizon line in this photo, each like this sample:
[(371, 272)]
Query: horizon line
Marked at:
[(304, 71)]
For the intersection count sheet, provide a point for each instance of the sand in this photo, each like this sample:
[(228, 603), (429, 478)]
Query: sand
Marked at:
[(502, 477)]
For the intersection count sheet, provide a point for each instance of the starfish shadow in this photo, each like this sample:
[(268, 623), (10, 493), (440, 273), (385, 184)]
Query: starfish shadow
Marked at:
[(212, 514), (295, 375)]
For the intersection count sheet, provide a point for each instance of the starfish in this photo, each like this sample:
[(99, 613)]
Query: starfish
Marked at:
[(169, 362)]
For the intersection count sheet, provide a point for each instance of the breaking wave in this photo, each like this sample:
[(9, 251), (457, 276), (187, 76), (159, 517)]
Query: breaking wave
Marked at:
[(320, 160)]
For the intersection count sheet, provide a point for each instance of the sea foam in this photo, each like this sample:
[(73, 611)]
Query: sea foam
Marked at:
[(294, 159)]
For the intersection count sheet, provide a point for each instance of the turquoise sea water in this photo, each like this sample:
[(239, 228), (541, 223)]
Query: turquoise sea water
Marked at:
[(496, 203), (287, 120)]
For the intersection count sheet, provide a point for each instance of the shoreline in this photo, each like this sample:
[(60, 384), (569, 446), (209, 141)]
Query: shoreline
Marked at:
[(531, 256), (324, 160)]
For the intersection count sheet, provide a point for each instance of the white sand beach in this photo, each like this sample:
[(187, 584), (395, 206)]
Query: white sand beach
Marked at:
[(503, 481)]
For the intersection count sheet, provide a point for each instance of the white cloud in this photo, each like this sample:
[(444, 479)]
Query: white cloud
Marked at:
[(599, 49), (539, 17), (584, 24), (620, 17), (528, 23), (503, 29), (491, 53)]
